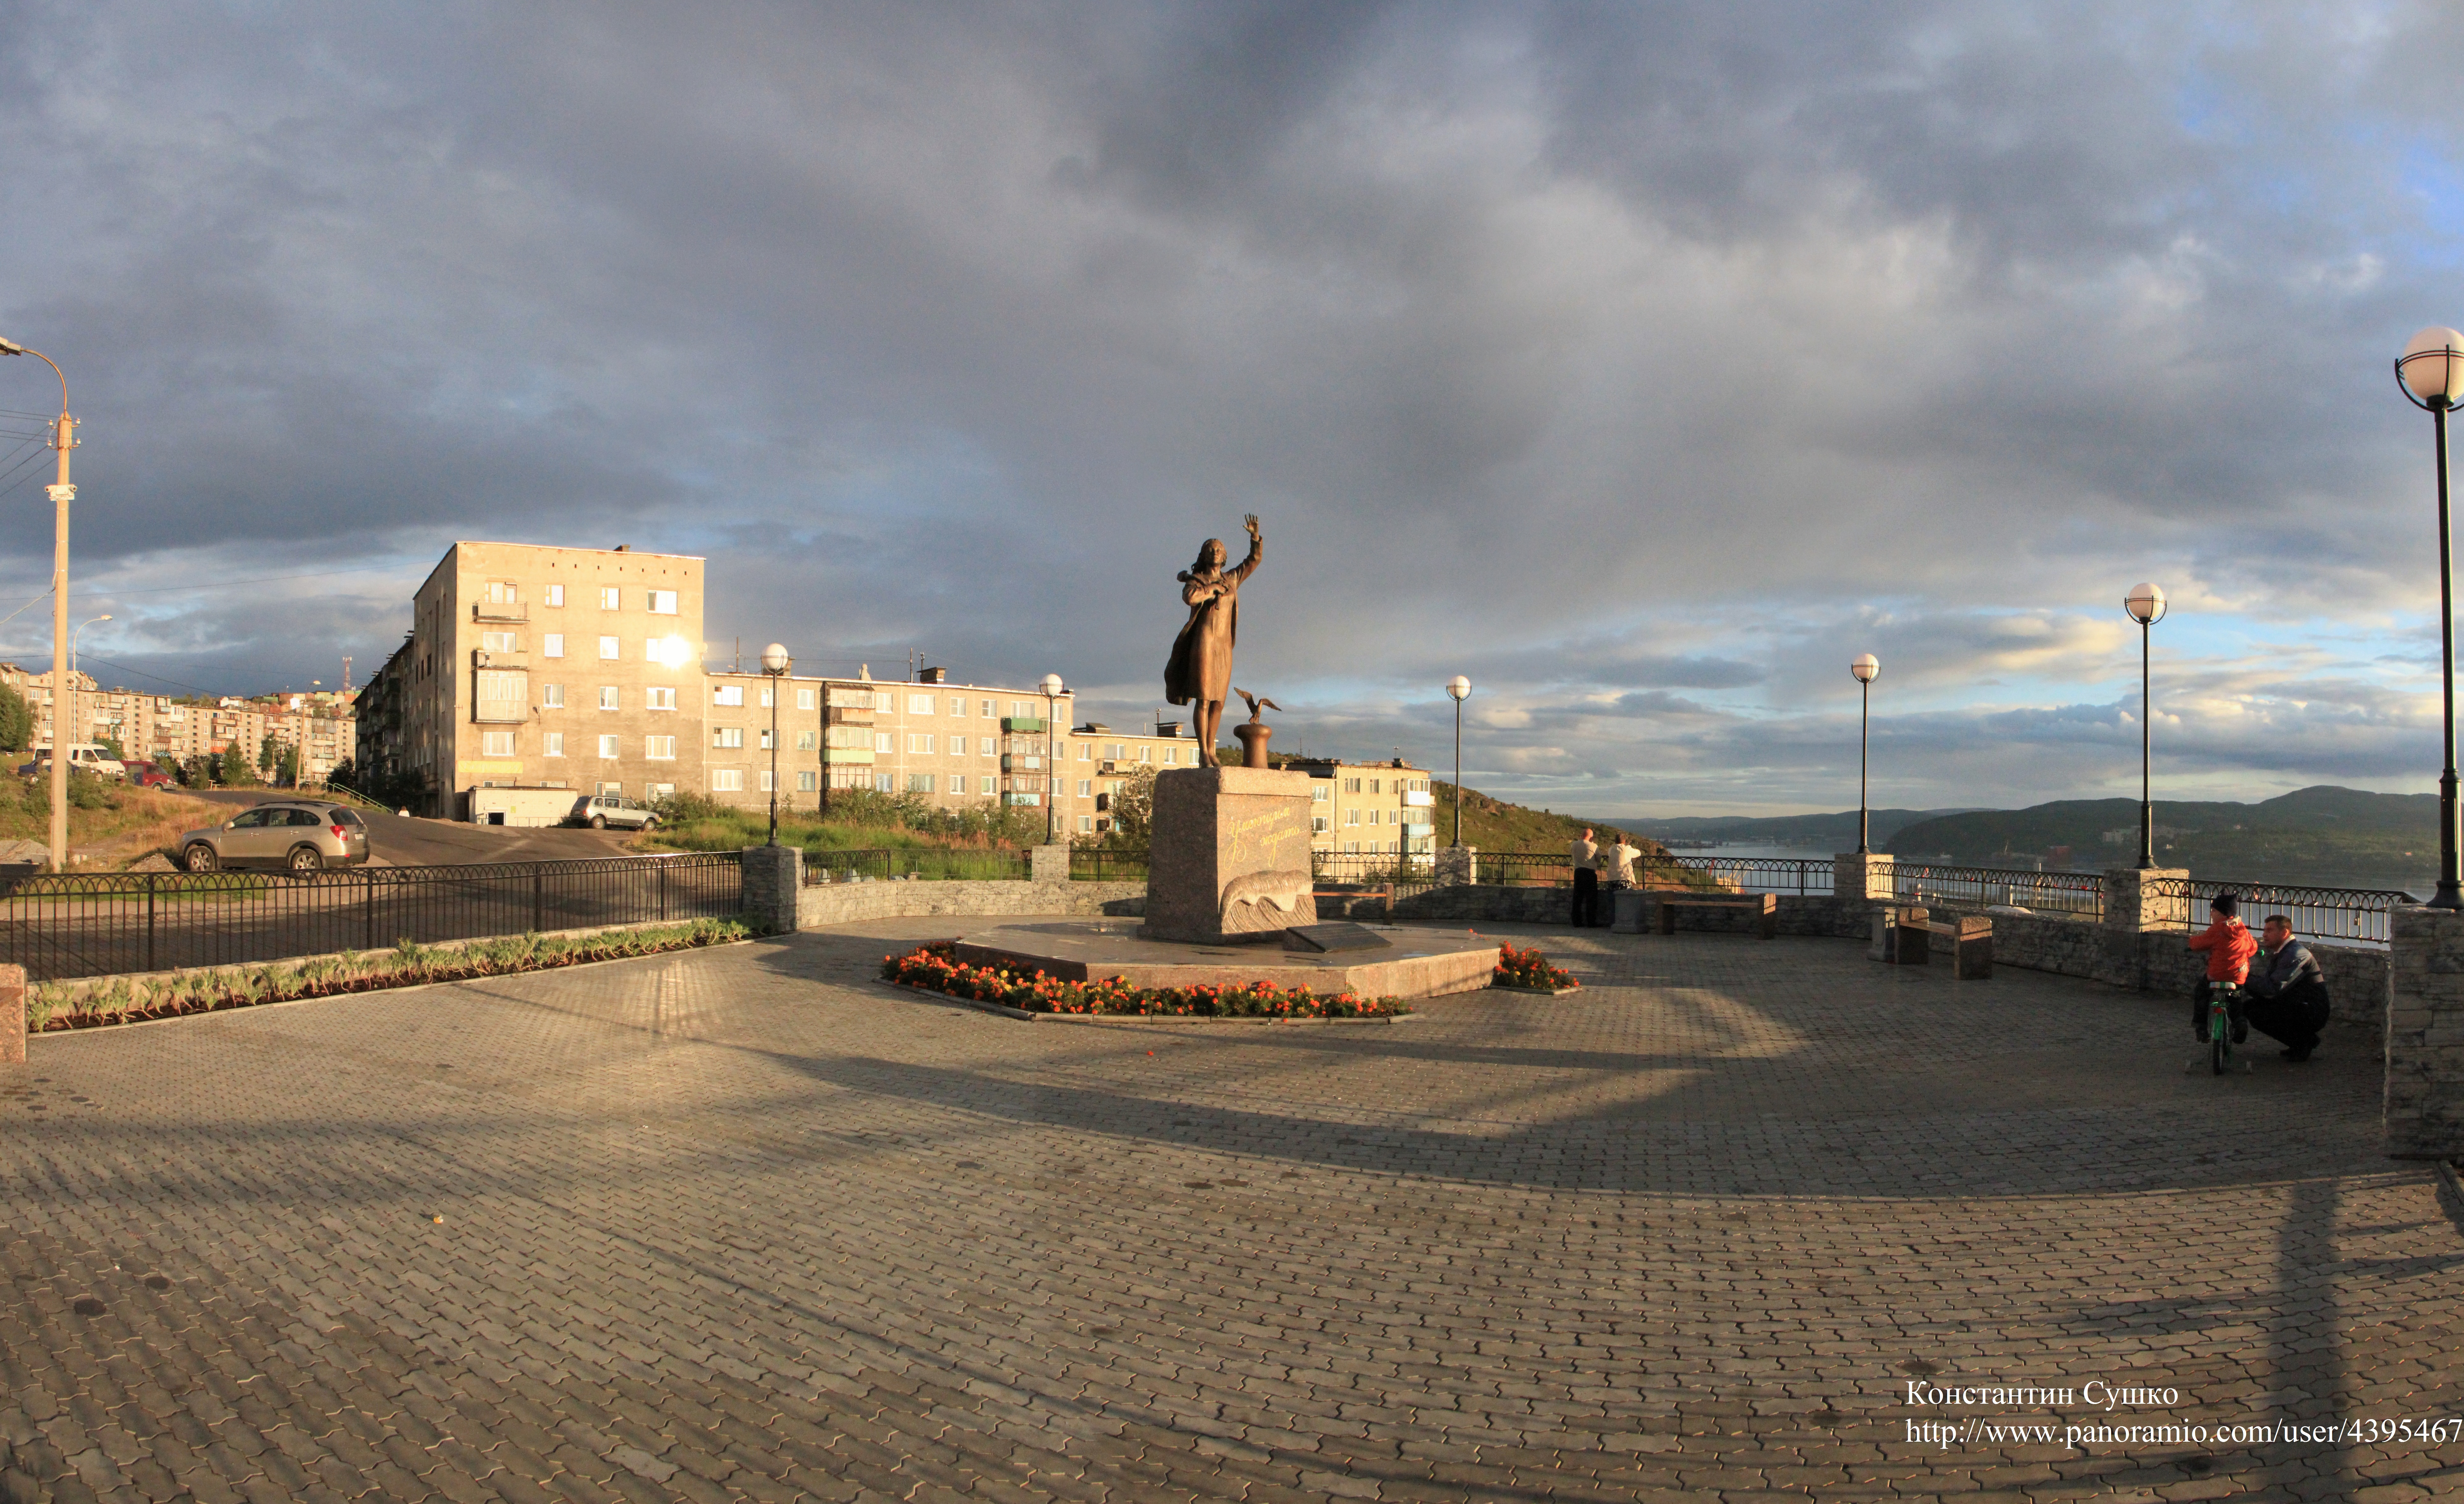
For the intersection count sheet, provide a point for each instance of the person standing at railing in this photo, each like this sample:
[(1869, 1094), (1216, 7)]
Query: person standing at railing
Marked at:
[(1586, 857), (1617, 867), (2228, 945), (2288, 994)]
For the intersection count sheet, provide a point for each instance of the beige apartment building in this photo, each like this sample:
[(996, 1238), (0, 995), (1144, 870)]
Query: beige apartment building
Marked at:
[(956, 745), (540, 667), (1369, 808)]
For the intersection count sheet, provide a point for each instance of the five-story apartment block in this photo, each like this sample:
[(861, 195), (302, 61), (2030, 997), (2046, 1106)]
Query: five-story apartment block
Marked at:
[(552, 668)]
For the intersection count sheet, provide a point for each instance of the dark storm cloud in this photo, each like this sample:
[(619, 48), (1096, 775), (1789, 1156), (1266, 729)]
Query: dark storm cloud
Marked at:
[(1595, 351)]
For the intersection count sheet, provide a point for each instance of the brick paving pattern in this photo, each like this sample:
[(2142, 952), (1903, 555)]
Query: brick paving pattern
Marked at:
[(746, 1224)]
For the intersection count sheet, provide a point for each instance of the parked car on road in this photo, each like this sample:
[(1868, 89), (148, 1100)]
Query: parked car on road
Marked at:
[(303, 836), (599, 812), (151, 775)]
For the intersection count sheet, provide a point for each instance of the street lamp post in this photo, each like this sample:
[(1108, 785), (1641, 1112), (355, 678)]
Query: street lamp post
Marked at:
[(1864, 666), (776, 663), (1461, 689), (2430, 373), (81, 727), (2146, 604), (63, 439), (1051, 687)]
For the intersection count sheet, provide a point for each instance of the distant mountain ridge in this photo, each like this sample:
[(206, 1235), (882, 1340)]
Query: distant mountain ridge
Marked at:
[(1825, 830), (2325, 834)]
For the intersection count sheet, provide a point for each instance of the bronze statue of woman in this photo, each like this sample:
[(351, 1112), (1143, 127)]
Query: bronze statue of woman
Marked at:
[(1200, 668)]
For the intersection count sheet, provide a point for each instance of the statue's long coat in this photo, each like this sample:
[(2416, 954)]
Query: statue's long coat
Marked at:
[(1201, 667)]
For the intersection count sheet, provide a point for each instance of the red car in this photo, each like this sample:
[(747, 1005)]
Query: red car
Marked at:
[(151, 775)]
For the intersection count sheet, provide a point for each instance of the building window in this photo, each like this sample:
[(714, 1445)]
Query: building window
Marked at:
[(663, 603), (1086, 789), (608, 598), (552, 645), (552, 697), (727, 695), (727, 737), (765, 781), (497, 642), (556, 595), (806, 741), (919, 704), (1318, 793), (881, 783), (919, 783), (495, 743), (1085, 824), (1171, 754), (1086, 751), (765, 739), (1352, 786), (804, 699), (920, 742), (958, 746), (502, 592), (661, 696), (884, 741), (1317, 825), (1372, 785), (804, 783), (986, 709), (659, 749), (611, 788), (1351, 817), (607, 650), (765, 696), (727, 780), (607, 696), (607, 748), (659, 790), (555, 743)]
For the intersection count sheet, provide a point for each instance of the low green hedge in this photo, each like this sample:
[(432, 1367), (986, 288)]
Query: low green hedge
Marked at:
[(55, 1005)]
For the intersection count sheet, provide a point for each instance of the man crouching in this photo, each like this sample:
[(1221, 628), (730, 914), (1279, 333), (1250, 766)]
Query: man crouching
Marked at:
[(2288, 995)]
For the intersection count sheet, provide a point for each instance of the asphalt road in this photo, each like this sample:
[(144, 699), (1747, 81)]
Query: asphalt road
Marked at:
[(410, 841)]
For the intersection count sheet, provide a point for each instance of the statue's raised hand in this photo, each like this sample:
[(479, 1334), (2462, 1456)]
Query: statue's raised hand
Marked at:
[(1250, 522)]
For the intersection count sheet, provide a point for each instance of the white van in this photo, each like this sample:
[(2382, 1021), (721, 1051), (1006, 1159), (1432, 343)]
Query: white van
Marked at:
[(87, 755)]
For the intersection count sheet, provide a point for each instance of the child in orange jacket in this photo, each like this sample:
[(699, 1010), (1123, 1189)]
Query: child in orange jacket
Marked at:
[(2229, 946)]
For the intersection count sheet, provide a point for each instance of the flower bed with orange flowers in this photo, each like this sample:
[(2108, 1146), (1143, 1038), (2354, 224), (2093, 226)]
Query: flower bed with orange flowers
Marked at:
[(1529, 971), (937, 968)]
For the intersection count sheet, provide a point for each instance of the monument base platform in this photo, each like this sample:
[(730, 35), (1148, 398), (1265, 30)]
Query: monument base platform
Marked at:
[(1416, 964)]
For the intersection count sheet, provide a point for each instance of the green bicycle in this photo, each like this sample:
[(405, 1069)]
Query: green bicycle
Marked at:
[(2218, 1028)]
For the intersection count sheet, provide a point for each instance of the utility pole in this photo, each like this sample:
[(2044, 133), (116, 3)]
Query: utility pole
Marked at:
[(63, 439)]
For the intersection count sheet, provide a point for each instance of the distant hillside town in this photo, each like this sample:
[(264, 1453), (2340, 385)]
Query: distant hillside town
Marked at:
[(316, 729)]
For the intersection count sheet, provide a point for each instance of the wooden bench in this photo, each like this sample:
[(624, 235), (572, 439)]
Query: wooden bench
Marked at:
[(1970, 937), (1763, 905)]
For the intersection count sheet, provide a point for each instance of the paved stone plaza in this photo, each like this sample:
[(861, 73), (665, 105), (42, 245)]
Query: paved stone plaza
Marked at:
[(745, 1223)]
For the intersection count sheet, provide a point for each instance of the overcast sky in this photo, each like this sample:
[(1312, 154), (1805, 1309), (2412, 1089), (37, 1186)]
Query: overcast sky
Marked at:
[(1645, 363)]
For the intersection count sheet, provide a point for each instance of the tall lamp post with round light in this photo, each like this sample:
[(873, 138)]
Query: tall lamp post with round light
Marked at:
[(1461, 689), (2431, 374), (2146, 604), (1051, 687), (776, 663), (63, 439), (1864, 666)]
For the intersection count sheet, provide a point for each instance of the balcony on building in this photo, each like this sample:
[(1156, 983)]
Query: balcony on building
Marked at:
[(501, 610), (1022, 726), (1019, 761), (846, 755)]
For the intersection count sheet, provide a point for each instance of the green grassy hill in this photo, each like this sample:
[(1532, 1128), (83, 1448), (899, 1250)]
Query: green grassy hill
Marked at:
[(1495, 825)]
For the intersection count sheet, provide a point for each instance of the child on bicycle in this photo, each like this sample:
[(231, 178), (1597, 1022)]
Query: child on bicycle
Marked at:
[(2229, 946)]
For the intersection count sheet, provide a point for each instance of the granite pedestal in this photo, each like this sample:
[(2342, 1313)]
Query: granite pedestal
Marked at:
[(1228, 855), (1413, 964)]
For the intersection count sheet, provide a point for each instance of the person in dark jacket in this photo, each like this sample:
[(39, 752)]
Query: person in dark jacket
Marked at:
[(2288, 996)]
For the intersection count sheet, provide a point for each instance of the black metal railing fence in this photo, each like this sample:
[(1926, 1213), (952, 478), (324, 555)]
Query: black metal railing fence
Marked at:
[(96, 924), (1096, 864), (2347, 915)]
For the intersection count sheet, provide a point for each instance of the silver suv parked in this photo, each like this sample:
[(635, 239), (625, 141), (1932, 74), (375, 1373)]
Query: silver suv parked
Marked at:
[(298, 834), (599, 812)]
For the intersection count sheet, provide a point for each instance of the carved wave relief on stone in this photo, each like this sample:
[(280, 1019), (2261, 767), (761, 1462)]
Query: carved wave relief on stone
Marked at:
[(1271, 900)]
